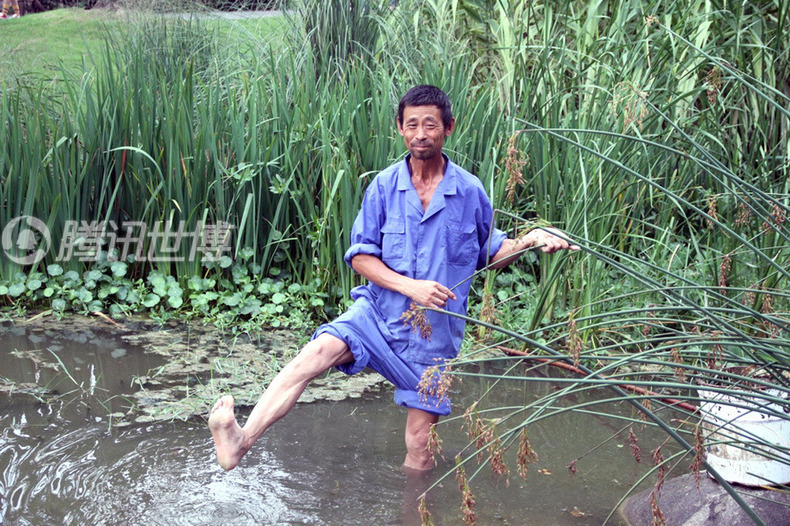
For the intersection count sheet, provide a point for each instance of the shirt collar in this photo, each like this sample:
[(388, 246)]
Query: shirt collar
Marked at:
[(447, 185)]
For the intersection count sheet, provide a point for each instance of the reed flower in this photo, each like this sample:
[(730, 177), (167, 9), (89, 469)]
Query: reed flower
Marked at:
[(713, 84), (712, 211), (526, 455), (467, 498), (416, 317), (435, 445), (777, 217), (488, 313), (658, 460), (426, 519), (477, 430), (630, 102), (434, 384), (658, 516), (744, 214), (575, 344), (515, 160), (724, 272), (634, 443), (496, 458), (699, 453), (677, 357)]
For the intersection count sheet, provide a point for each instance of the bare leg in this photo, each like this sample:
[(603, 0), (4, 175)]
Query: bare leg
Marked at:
[(418, 428), (233, 441)]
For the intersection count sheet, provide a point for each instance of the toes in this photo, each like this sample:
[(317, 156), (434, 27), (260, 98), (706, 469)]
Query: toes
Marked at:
[(217, 405), (225, 402)]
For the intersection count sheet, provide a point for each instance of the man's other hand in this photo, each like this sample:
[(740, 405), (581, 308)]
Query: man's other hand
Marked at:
[(429, 293)]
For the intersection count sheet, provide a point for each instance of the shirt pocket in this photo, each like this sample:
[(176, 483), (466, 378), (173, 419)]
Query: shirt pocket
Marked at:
[(462, 247), (393, 240)]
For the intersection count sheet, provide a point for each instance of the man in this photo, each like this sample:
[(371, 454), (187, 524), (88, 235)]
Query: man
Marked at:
[(425, 225)]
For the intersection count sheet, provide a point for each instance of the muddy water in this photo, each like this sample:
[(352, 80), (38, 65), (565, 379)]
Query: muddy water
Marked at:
[(334, 463)]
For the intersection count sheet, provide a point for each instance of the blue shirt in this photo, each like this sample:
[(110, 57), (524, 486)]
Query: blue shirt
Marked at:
[(447, 243)]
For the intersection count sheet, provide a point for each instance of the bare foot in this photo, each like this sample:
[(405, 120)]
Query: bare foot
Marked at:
[(228, 435)]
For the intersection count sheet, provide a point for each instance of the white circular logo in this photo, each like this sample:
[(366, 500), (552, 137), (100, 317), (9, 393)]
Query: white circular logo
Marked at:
[(26, 240)]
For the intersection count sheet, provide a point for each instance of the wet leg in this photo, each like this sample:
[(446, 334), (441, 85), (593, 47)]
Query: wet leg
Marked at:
[(233, 441), (417, 484), (418, 428)]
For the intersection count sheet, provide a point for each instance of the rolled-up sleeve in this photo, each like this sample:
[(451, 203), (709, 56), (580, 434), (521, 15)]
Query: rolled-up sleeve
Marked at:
[(366, 232)]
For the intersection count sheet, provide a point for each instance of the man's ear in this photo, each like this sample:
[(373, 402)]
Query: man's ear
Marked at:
[(450, 128), (400, 125)]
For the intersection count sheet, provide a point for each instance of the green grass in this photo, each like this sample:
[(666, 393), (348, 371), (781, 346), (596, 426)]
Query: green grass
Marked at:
[(40, 45)]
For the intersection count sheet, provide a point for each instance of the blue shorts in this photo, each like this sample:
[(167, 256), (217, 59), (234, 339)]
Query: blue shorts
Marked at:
[(369, 341)]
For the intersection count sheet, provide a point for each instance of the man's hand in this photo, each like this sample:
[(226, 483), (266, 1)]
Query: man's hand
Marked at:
[(423, 292), (546, 239), (429, 293)]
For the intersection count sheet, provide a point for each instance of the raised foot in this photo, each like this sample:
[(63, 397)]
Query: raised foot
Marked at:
[(228, 435)]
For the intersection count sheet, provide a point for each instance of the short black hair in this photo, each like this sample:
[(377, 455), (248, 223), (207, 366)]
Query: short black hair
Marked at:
[(426, 95)]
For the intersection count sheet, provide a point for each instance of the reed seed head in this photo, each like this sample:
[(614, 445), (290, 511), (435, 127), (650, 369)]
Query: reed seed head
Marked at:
[(467, 498), (435, 445), (526, 455), (416, 317), (434, 384), (515, 160), (634, 443), (713, 84), (426, 519)]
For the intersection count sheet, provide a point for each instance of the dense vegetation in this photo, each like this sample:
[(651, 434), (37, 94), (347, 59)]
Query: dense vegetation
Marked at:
[(655, 133), (666, 147), (32, 6)]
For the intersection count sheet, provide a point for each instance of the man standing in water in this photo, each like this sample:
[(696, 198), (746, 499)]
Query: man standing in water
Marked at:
[(425, 226)]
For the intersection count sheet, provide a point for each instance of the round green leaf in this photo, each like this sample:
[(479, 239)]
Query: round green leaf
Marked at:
[(278, 298), (118, 269), (16, 289), (175, 301), (151, 300)]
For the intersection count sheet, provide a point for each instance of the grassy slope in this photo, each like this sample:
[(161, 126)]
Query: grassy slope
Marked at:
[(40, 44)]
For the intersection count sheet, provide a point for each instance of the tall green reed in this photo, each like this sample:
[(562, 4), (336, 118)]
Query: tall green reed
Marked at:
[(172, 124), (643, 150)]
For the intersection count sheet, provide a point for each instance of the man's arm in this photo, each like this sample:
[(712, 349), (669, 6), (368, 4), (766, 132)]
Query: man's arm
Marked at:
[(544, 238), (424, 292)]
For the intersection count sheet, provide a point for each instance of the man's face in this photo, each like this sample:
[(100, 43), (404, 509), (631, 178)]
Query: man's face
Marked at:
[(423, 131)]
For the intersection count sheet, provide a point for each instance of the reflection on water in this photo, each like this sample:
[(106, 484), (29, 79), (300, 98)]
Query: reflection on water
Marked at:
[(335, 463)]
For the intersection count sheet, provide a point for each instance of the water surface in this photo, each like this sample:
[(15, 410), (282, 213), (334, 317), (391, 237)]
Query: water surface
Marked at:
[(329, 463)]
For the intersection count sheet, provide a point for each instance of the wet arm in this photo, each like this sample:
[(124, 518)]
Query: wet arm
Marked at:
[(424, 292)]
